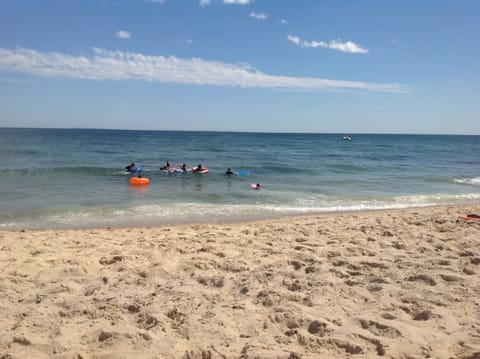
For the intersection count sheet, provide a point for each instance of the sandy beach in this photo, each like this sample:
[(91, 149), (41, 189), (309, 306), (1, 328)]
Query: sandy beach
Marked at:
[(396, 284)]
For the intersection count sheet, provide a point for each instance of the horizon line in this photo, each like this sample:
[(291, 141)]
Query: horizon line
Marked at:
[(243, 131)]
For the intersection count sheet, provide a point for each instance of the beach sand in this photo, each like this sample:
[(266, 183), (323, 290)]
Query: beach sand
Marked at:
[(397, 284)]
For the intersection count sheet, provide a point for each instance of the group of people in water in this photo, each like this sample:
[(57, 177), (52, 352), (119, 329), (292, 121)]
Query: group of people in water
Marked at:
[(169, 168)]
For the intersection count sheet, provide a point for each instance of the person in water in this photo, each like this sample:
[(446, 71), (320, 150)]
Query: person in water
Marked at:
[(130, 167), (166, 166), (199, 168), (257, 186), (229, 172)]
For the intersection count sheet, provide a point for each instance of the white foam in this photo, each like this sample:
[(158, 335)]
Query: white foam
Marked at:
[(433, 199), (471, 181), (191, 212)]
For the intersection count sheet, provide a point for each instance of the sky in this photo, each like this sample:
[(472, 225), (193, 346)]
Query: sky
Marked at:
[(322, 66)]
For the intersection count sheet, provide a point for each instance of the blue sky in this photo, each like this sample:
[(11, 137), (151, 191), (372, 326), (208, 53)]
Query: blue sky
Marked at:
[(238, 65)]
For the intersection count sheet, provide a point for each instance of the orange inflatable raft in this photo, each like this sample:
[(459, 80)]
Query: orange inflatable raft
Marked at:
[(139, 181)]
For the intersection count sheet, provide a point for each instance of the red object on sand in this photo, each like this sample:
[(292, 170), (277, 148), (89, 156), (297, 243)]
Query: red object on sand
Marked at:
[(470, 217)]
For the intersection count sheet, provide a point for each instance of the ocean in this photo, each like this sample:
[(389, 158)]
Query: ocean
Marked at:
[(76, 178)]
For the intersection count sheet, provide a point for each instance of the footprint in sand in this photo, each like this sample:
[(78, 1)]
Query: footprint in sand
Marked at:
[(423, 315), (110, 260), (318, 328), (380, 329), (269, 298), (450, 278), (423, 278), (379, 347), (349, 348)]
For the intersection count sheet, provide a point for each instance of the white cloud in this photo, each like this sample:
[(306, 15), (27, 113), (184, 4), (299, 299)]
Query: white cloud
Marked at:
[(258, 15), (204, 3), (119, 65), (295, 39), (123, 34), (314, 44), (283, 22), (158, 1), (237, 2), (348, 46)]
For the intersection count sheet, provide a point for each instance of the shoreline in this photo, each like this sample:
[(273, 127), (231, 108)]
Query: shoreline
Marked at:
[(244, 219), (393, 283)]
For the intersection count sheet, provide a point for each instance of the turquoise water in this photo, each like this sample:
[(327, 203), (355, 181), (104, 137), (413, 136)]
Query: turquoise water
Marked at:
[(54, 178)]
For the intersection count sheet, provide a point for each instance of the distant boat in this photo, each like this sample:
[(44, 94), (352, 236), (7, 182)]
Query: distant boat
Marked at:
[(347, 138)]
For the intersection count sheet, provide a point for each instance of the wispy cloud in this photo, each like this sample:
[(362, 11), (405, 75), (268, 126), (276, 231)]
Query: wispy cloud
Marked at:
[(226, 2), (237, 2), (123, 35), (258, 15), (160, 2), (119, 65), (283, 21), (349, 47), (295, 39)]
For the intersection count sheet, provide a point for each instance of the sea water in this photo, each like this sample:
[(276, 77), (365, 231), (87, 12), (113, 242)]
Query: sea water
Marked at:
[(76, 178)]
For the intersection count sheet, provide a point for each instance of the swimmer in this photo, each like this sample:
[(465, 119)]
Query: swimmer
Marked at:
[(166, 166), (199, 168)]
